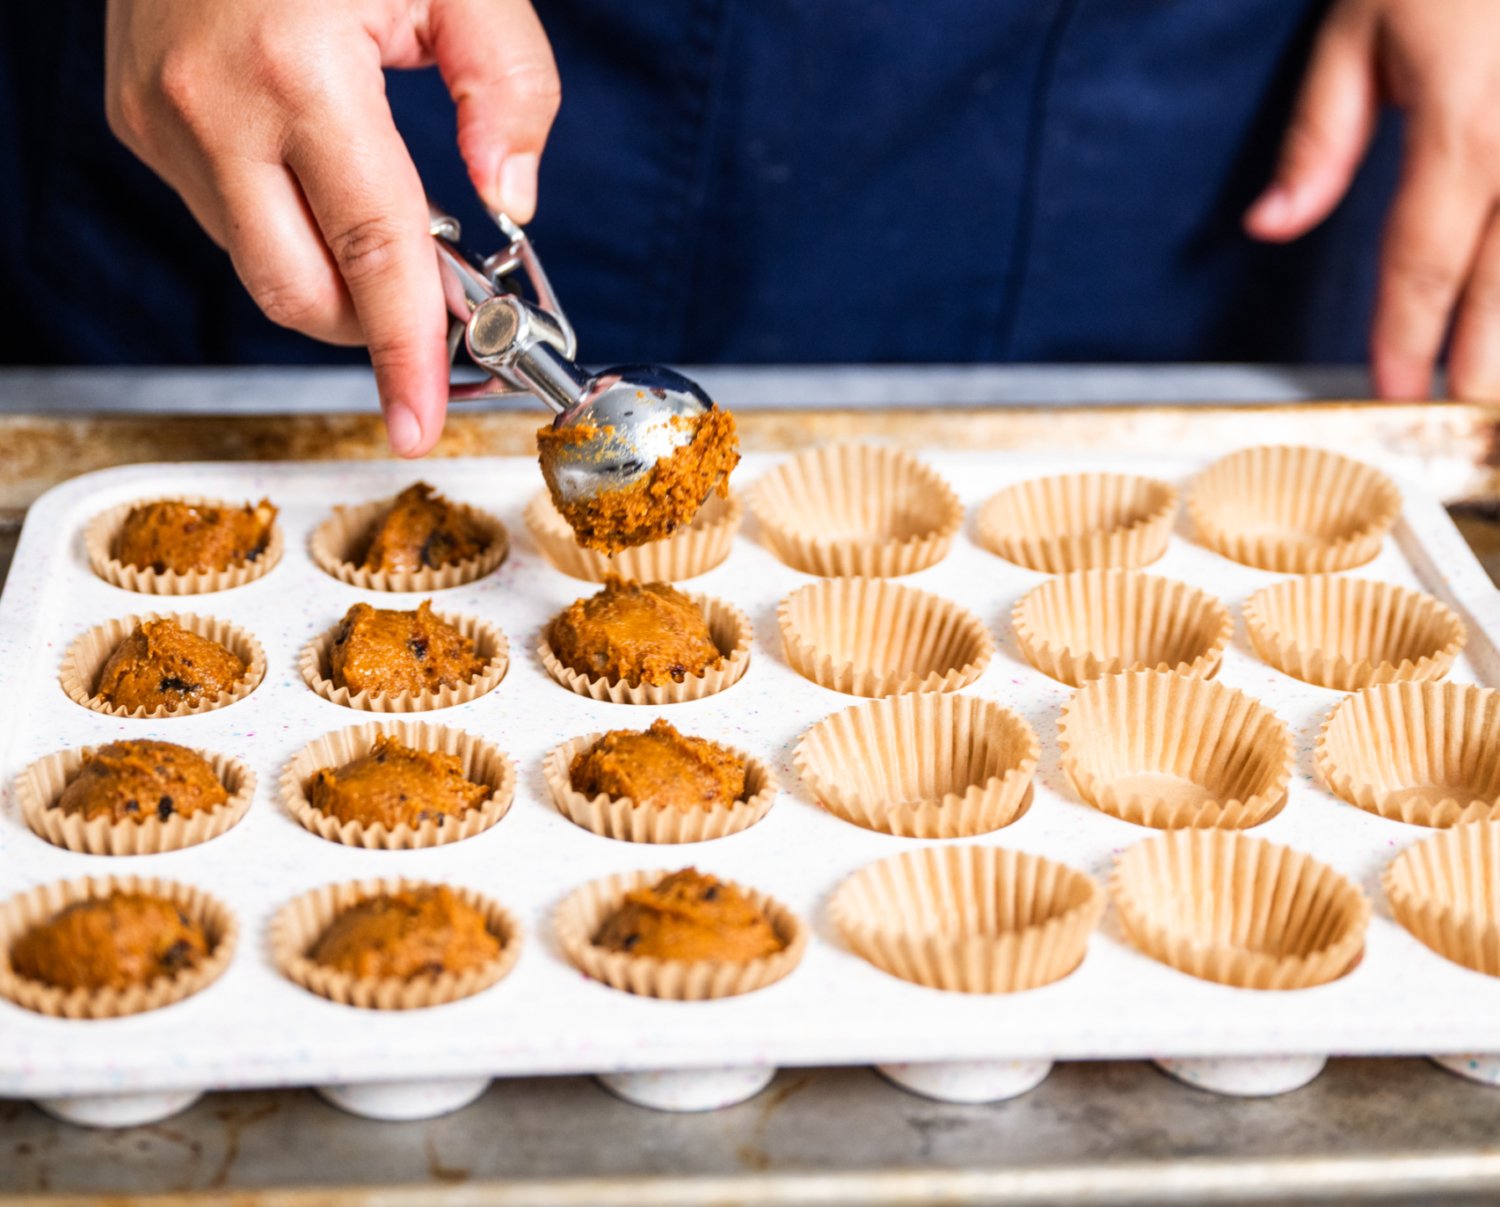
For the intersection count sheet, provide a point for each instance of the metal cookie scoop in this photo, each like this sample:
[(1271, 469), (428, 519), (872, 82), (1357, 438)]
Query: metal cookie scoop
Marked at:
[(619, 423)]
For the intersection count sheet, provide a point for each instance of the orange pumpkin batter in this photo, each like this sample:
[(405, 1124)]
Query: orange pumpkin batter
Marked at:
[(421, 931), (136, 779), (110, 942), (689, 916), (382, 650), (392, 783), (183, 537), (163, 665), (423, 531), (660, 767), (635, 632)]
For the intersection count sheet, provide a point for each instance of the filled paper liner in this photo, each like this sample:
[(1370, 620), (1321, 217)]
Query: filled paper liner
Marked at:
[(690, 551), (1349, 633), (85, 658), (1424, 753), (856, 510), (1294, 510), (870, 637), (337, 544), (316, 665), (1089, 623), (41, 785), (1082, 521), (584, 911), (640, 821), (1168, 751), (102, 531), (969, 919), (1238, 910), (300, 923), (482, 762), (1446, 891), (727, 625), (26, 910), (921, 766)]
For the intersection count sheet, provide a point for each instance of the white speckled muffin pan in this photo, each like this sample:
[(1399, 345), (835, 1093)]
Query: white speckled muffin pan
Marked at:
[(253, 1027)]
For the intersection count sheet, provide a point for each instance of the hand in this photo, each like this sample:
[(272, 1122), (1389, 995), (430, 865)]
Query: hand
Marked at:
[(270, 118), (1439, 60)]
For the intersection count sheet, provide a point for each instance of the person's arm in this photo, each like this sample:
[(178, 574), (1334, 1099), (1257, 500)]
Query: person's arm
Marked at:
[(269, 117)]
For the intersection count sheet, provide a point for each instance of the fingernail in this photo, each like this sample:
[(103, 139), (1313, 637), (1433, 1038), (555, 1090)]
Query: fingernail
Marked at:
[(1274, 207), (518, 186), (402, 429)]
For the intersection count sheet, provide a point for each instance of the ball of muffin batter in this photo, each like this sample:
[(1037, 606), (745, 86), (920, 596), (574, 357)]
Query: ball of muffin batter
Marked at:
[(137, 779), (392, 783), (382, 650), (110, 942), (635, 633), (689, 916), (423, 531), (163, 665), (659, 767), (184, 537), (422, 931)]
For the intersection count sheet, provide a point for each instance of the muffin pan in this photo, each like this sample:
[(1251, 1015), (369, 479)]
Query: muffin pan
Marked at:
[(254, 1026)]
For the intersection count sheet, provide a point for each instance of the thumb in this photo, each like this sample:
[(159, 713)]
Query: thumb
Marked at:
[(498, 65)]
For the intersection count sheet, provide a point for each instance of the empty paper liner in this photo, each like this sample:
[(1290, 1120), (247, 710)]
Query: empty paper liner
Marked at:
[(1168, 751), (1079, 521), (26, 910), (1238, 910), (584, 911), (1079, 626), (969, 919), (85, 658), (921, 766), (1293, 510), (103, 530), (1348, 633), (39, 787), (338, 546), (857, 510), (690, 551), (483, 763), (869, 637), (640, 821), (1446, 891), (1425, 753)]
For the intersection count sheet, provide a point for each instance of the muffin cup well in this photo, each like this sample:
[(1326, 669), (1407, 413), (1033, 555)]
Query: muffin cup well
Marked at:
[(1083, 521), (1424, 753), (99, 542), (856, 510), (299, 924), (26, 910), (1089, 623), (969, 919), (630, 820), (1238, 910), (1446, 891), (316, 665), (584, 911), (921, 766), (343, 537), (85, 658), (690, 551), (1171, 752), (870, 637), (41, 785), (483, 763), (1294, 510), (1349, 633), (731, 632)]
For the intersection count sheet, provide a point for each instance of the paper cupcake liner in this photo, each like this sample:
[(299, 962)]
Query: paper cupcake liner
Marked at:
[(731, 631), (301, 922), (316, 665), (40, 785), (635, 821), (1238, 910), (583, 912), (483, 763), (856, 510), (690, 551), (341, 538), (921, 766), (1424, 753), (1083, 521), (1293, 510), (969, 919), (1349, 633), (99, 541), (1089, 623), (85, 659), (19, 914), (1446, 891), (1170, 752), (870, 637)]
